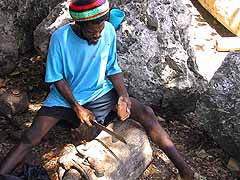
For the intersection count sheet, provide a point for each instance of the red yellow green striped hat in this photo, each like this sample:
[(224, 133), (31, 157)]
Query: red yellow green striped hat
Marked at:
[(86, 10)]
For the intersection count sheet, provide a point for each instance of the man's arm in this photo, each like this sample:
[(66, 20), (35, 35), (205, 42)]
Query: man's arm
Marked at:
[(83, 114), (124, 102), (118, 83)]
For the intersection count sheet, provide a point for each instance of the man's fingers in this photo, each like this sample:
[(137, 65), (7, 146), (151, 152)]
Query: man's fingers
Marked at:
[(124, 118), (89, 119), (123, 110), (88, 123), (120, 100), (82, 121), (127, 115)]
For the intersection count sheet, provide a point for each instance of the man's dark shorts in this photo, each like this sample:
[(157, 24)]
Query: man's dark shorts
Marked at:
[(101, 108)]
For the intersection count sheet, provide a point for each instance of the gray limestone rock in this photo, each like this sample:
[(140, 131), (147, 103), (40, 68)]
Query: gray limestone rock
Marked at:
[(218, 110), (18, 21), (154, 52), (56, 18)]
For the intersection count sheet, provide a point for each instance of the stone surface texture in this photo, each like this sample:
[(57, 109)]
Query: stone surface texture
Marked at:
[(18, 21), (218, 109)]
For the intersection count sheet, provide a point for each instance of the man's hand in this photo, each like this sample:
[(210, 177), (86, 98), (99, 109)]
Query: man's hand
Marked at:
[(124, 102), (123, 108), (84, 115)]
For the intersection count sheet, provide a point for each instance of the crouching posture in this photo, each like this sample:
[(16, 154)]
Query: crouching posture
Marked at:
[(87, 83)]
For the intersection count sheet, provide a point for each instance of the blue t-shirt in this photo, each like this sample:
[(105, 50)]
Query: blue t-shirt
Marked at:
[(85, 67)]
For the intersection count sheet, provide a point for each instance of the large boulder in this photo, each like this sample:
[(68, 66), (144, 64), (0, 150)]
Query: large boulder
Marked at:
[(153, 51), (8, 43), (18, 20), (56, 18), (218, 108)]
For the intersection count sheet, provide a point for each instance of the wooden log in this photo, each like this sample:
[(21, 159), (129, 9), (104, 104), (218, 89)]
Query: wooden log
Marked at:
[(226, 12), (108, 158), (228, 44)]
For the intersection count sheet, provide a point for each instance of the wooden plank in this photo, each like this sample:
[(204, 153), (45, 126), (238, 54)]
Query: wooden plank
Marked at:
[(228, 44), (226, 12)]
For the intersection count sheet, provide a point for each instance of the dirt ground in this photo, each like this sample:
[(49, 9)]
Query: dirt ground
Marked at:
[(200, 152)]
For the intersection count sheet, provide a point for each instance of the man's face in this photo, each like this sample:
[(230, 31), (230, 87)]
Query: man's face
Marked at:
[(92, 32)]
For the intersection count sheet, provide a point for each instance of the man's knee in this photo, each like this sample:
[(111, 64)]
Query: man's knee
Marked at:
[(147, 111), (156, 132), (148, 116)]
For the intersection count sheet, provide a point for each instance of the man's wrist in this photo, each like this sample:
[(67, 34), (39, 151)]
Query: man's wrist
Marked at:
[(124, 95), (75, 105)]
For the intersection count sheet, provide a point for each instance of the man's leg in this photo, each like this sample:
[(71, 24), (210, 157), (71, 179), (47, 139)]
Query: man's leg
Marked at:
[(30, 138), (158, 135)]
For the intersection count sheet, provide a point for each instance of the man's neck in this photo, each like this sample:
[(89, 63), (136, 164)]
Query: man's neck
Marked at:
[(77, 30)]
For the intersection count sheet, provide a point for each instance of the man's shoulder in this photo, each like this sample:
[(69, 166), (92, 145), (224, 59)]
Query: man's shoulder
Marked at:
[(59, 31), (109, 27)]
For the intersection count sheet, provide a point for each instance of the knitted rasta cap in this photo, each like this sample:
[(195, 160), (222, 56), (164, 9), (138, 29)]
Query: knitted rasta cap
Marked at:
[(86, 10)]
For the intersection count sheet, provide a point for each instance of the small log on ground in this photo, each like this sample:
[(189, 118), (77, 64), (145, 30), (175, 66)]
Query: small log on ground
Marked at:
[(108, 158), (228, 44)]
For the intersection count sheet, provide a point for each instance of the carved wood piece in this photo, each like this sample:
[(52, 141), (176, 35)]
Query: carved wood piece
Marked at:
[(108, 158), (228, 44)]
